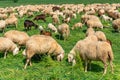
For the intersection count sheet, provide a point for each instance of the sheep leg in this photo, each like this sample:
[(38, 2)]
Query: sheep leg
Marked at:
[(5, 54), (30, 63), (111, 65), (105, 68), (86, 63), (89, 64), (27, 61)]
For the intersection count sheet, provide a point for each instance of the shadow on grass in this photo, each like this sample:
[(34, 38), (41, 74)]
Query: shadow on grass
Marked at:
[(35, 59), (95, 68), (1, 54), (59, 37)]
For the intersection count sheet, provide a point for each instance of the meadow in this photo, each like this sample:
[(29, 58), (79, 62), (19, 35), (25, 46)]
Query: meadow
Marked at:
[(45, 68)]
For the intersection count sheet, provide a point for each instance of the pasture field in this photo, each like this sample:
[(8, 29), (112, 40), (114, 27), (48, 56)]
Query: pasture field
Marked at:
[(45, 68)]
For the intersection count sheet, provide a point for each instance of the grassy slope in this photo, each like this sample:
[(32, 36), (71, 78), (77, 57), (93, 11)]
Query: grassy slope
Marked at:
[(48, 69)]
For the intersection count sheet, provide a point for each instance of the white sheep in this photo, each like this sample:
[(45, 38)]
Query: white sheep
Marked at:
[(90, 31), (100, 35), (40, 44), (18, 37), (116, 25), (95, 24), (7, 45), (2, 25), (64, 30), (12, 20), (92, 50), (52, 27), (79, 24), (55, 19), (106, 18)]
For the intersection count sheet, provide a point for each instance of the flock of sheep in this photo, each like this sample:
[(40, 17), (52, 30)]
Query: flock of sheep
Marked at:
[(94, 47)]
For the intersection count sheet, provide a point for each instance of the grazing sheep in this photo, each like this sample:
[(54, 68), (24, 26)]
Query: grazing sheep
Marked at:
[(12, 20), (83, 44), (40, 44), (2, 25), (55, 19), (90, 31), (44, 32), (63, 30), (106, 18), (7, 45), (100, 35), (66, 20), (55, 8), (96, 51), (95, 24), (40, 17), (18, 37), (52, 27), (28, 24), (116, 25), (79, 24)]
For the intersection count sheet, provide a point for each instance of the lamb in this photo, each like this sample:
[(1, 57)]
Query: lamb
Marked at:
[(100, 35), (40, 44), (12, 20), (116, 25), (63, 30), (95, 24), (7, 45), (55, 19), (90, 31), (79, 24), (18, 37), (28, 24), (44, 32), (52, 27), (106, 18), (96, 51), (2, 25), (40, 17)]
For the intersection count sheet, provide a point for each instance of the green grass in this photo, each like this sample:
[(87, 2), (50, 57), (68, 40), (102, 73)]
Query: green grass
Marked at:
[(45, 68), (5, 3)]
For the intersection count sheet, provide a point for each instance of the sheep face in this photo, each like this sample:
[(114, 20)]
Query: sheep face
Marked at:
[(24, 53), (15, 51), (71, 59), (60, 57)]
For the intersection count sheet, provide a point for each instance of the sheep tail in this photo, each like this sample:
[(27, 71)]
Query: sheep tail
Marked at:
[(110, 56)]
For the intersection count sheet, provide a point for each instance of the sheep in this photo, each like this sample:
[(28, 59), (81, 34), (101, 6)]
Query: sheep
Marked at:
[(82, 43), (44, 32), (66, 20), (100, 35), (7, 45), (64, 31), (116, 25), (28, 24), (95, 24), (52, 27), (96, 51), (40, 44), (2, 25), (106, 18), (12, 20), (55, 8), (18, 37), (79, 24), (90, 31), (40, 17), (55, 19)]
